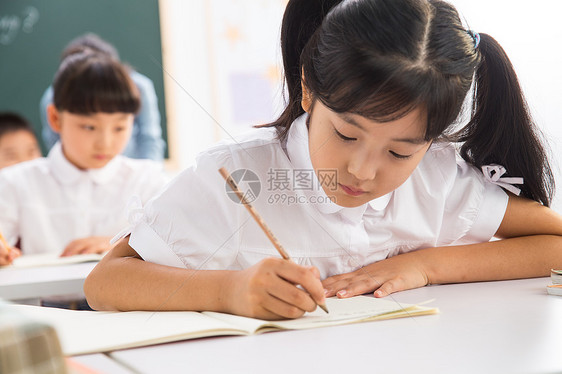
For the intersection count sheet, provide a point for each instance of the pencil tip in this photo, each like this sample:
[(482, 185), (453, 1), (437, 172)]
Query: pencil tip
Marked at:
[(324, 308)]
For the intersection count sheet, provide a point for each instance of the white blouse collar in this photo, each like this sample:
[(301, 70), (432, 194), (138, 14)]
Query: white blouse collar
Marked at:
[(299, 154), (67, 173)]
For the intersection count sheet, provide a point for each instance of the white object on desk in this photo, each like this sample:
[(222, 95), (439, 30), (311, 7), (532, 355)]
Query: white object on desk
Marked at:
[(42, 282), (491, 327), (51, 259), (555, 289), (98, 363)]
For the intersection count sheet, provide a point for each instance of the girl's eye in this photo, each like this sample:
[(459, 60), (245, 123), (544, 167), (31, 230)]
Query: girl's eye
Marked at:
[(399, 156), (119, 129), (343, 137), (88, 127)]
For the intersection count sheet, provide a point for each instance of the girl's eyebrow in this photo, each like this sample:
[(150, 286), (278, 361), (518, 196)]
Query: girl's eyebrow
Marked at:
[(347, 118), (416, 141)]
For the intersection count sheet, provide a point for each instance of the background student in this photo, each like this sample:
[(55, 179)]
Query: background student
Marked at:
[(17, 140), (74, 200), (375, 88), (146, 140)]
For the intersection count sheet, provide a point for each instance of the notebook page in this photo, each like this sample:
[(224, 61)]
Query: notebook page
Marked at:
[(342, 311), (82, 332), (52, 259)]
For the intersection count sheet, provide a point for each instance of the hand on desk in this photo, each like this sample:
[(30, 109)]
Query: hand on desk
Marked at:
[(393, 274), (268, 290), (8, 256), (92, 244)]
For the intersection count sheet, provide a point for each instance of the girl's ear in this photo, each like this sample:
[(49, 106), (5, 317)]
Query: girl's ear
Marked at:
[(53, 116), (306, 101)]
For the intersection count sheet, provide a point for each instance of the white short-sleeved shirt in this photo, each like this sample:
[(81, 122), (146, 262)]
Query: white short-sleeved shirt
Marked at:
[(48, 202), (195, 224)]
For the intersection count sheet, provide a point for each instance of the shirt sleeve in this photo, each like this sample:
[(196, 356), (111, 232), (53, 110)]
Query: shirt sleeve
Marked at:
[(191, 223), (153, 181), (474, 207)]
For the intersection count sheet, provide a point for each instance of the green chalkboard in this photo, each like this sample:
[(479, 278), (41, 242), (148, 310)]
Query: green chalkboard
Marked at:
[(33, 34)]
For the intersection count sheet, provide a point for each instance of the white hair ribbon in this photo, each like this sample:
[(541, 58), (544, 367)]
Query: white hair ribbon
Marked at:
[(135, 211), (493, 174)]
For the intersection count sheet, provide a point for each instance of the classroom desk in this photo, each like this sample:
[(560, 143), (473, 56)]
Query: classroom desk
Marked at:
[(490, 327), (96, 363), (42, 282)]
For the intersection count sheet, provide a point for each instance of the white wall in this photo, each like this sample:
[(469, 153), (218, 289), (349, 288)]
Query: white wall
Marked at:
[(209, 41), (212, 48)]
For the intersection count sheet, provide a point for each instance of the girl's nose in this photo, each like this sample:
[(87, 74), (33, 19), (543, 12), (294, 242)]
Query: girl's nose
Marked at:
[(363, 165)]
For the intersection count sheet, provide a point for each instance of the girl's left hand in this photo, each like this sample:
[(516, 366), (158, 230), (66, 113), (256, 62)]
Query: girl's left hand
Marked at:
[(92, 244), (393, 274)]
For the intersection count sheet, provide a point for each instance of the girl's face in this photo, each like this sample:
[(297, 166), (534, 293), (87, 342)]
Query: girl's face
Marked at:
[(18, 146), (91, 141), (371, 158)]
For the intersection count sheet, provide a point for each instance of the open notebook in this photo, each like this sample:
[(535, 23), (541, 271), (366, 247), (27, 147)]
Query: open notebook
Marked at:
[(52, 259), (83, 332)]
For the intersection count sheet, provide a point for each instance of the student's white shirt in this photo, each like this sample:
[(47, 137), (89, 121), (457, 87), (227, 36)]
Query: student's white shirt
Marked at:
[(195, 224), (48, 202)]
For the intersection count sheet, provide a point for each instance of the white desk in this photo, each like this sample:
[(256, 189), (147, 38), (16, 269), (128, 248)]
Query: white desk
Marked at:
[(41, 282), (493, 327), (96, 363)]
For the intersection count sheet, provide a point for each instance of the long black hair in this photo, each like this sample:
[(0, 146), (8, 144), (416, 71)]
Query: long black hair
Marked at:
[(383, 58)]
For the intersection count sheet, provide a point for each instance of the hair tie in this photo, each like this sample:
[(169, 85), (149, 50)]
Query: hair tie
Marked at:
[(474, 36)]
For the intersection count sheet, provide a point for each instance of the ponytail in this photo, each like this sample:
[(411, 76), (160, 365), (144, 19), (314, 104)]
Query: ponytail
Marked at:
[(501, 129), (300, 21)]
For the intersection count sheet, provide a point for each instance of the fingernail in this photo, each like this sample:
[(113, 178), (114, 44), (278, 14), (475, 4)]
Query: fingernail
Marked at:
[(342, 293), (378, 293), (326, 292)]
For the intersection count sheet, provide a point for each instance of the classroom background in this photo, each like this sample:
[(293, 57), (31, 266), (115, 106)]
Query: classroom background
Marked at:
[(216, 64)]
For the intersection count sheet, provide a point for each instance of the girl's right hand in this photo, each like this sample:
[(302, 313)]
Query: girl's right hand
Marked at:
[(268, 290), (8, 256)]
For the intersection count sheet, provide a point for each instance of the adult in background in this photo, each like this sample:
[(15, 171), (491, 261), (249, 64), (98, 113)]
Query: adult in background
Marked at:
[(146, 140)]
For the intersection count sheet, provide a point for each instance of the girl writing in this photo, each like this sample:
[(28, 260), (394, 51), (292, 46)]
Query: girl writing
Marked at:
[(359, 176)]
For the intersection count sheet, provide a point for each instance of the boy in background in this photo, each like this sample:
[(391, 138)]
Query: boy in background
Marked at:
[(146, 140), (18, 142)]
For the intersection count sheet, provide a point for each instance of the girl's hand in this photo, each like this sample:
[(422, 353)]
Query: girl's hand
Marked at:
[(92, 244), (268, 290), (8, 256), (394, 274)]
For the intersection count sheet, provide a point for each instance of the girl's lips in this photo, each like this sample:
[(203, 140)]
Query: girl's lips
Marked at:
[(351, 191)]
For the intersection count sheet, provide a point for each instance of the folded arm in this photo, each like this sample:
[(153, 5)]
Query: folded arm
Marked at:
[(530, 245)]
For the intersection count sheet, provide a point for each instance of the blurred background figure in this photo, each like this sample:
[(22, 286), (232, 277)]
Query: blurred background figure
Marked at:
[(17, 140), (146, 140)]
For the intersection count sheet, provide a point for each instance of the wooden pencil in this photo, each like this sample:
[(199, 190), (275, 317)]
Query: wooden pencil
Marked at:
[(5, 243), (258, 219)]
